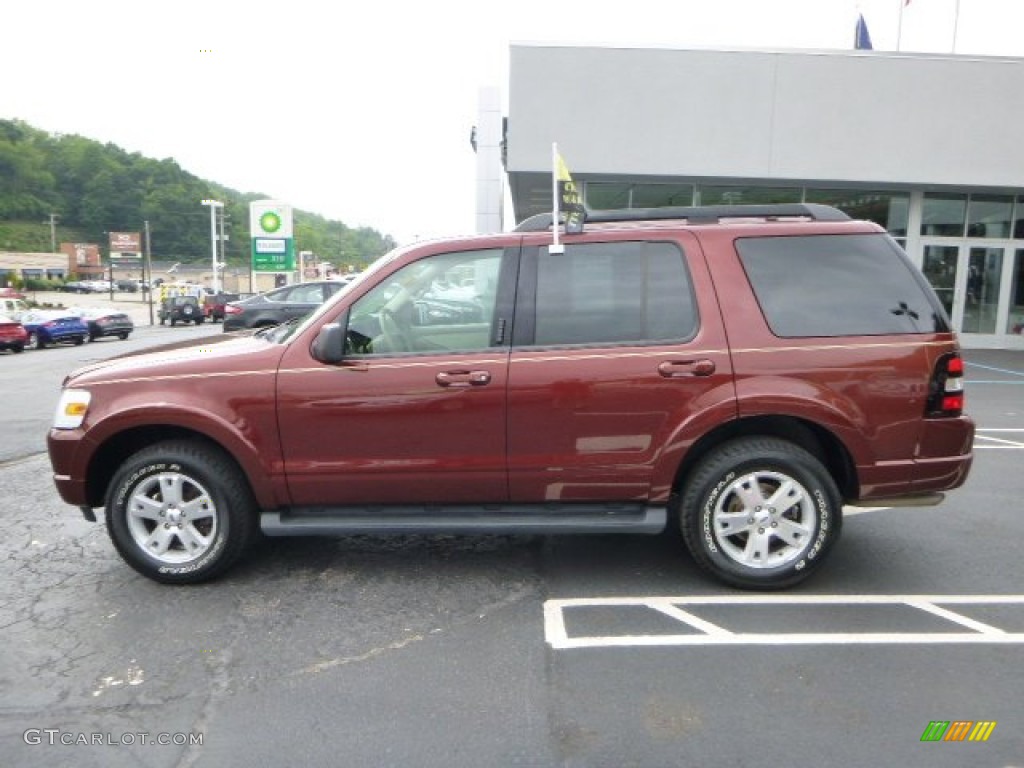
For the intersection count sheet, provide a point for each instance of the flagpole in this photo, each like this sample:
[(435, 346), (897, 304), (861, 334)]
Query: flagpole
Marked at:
[(554, 197), (899, 26), (956, 25)]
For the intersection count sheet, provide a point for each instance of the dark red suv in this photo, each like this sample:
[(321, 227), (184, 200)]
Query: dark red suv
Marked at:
[(740, 373)]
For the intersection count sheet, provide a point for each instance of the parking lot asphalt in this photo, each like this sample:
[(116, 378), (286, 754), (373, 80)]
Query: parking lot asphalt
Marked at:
[(577, 652)]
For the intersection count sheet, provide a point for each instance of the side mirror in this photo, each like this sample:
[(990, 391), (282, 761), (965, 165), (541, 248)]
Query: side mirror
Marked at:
[(329, 345)]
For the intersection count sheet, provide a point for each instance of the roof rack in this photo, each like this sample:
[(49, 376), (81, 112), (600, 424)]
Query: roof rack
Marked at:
[(710, 214)]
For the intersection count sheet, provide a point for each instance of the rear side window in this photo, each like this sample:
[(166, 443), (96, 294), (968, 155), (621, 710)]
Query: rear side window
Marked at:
[(603, 293), (839, 285)]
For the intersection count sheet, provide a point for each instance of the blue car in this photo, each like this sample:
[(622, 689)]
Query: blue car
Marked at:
[(46, 327)]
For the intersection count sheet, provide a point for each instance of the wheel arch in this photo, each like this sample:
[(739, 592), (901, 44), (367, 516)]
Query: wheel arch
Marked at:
[(813, 438), (114, 451)]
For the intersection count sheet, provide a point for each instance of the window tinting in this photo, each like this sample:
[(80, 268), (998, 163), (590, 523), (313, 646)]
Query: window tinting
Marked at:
[(612, 293), (849, 285)]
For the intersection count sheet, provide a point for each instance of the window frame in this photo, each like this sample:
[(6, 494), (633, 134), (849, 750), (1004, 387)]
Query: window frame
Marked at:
[(501, 321)]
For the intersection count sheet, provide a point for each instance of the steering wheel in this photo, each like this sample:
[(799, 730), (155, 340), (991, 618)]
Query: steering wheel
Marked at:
[(395, 337)]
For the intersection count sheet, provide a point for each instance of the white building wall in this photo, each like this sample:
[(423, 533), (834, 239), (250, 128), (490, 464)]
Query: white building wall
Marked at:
[(867, 117)]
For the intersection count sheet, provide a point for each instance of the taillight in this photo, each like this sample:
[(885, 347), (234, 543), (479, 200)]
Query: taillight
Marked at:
[(230, 309), (946, 391)]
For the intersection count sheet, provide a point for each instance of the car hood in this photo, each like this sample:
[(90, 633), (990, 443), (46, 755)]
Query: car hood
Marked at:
[(213, 354)]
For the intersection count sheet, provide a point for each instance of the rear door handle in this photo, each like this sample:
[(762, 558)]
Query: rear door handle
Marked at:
[(462, 379), (672, 369)]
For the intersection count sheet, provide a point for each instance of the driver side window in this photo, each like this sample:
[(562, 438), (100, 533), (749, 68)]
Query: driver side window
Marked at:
[(443, 303)]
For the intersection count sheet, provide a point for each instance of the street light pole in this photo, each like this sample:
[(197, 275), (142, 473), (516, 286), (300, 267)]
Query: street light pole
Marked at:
[(214, 205)]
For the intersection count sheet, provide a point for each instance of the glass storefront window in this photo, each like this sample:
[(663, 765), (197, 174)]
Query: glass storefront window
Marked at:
[(1018, 219), (944, 215), (606, 196), (749, 195), (889, 209), (1015, 320), (989, 216), (662, 195)]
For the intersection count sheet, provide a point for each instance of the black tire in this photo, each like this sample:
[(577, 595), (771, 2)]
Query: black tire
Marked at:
[(93, 337), (79, 340), (203, 500), (35, 341), (174, 322), (18, 348), (122, 336), (745, 543)]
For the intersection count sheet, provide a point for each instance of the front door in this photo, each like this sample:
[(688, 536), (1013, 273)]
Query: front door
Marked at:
[(416, 413)]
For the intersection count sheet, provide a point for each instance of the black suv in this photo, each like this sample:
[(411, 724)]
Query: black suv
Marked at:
[(185, 309), (278, 306)]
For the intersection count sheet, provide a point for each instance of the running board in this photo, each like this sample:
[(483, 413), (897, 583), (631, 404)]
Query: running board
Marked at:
[(493, 519)]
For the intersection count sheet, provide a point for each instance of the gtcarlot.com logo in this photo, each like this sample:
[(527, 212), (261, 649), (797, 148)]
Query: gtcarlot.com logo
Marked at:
[(958, 730)]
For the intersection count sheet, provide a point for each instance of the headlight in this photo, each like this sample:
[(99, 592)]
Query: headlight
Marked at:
[(71, 410)]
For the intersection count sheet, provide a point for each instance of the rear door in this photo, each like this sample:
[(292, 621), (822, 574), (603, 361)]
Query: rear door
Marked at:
[(618, 358)]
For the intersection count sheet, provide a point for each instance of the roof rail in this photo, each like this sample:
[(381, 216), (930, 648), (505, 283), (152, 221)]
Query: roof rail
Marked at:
[(710, 214)]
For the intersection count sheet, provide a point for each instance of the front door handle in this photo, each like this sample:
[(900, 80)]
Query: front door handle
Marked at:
[(672, 369), (462, 379)]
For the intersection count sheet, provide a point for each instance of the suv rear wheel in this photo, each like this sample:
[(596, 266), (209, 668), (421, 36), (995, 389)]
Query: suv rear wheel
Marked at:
[(760, 513), (180, 512)]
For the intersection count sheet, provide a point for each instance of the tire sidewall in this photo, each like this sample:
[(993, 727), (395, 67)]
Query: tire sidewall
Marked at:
[(124, 484), (719, 475)]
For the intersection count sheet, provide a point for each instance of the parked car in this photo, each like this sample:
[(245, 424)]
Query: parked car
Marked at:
[(12, 307), (13, 335), (682, 368), (131, 285), (105, 322), (215, 304), (279, 305), (48, 326), (10, 293), (184, 309)]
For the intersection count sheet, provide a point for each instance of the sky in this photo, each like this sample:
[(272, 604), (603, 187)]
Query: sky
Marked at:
[(362, 112)]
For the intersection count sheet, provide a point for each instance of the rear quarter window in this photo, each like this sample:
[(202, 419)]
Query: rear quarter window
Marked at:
[(839, 285)]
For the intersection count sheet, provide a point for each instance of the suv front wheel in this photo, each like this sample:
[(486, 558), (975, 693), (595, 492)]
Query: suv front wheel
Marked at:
[(180, 512), (760, 513)]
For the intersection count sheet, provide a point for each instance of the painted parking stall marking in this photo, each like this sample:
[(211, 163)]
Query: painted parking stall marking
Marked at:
[(783, 620), (1005, 439)]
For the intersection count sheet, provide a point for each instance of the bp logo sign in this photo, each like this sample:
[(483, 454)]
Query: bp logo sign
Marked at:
[(270, 222), (271, 231)]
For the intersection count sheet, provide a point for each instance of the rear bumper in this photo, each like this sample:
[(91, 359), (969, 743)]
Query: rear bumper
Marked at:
[(945, 454)]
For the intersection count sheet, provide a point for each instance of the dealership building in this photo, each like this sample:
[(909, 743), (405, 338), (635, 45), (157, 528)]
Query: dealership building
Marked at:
[(927, 146)]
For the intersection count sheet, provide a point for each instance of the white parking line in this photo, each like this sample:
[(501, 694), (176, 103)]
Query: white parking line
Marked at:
[(708, 633), (993, 442)]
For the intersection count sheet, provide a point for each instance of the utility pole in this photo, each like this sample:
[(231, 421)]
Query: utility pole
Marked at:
[(223, 253), (53, 232), (147, 274)]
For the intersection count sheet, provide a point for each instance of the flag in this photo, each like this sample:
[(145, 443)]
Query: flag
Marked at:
[(570, 198), (862, 40)]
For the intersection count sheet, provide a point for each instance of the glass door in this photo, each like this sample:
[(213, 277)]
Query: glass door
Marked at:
[(984, 270), (969, 279), (941, 267)]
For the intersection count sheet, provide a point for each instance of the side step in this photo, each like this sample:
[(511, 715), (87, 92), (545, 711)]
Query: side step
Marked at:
[(493, 519)]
